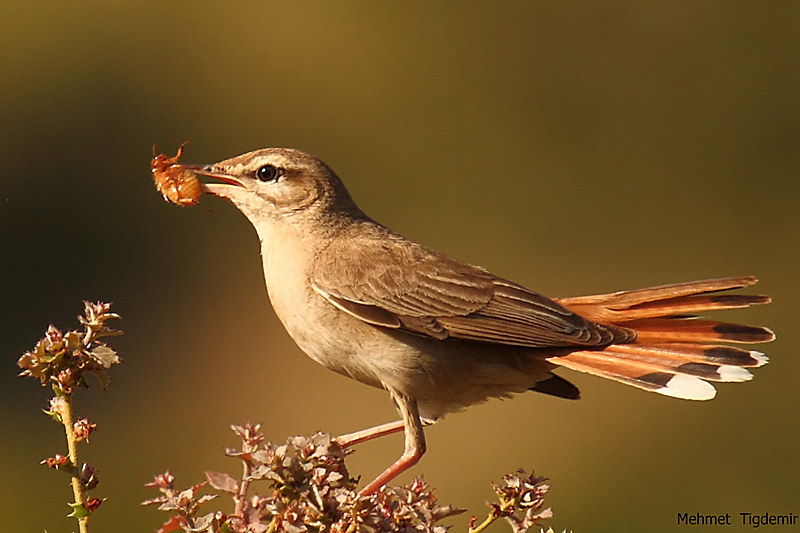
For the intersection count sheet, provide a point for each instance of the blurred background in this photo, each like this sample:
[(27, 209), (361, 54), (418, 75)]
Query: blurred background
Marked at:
[(575, 148)]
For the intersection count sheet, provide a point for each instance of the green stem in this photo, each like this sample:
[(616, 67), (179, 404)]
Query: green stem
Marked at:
[(494, 515), (72, 446), (483, 525)]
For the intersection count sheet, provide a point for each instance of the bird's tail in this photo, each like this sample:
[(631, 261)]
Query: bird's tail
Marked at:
[(672, 351)]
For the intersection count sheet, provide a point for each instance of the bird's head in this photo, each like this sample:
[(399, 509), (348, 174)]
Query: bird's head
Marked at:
[(278, 184)]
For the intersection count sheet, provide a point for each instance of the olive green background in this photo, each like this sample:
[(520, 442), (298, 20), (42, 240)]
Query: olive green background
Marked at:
[(575, 147)]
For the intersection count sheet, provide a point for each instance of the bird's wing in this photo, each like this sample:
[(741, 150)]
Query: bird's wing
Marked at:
[(391, 282)]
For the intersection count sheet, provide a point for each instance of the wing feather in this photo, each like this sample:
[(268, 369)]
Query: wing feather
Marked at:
[(388, 281)]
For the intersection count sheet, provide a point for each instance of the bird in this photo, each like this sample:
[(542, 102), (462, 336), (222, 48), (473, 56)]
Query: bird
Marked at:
[(440, 334)]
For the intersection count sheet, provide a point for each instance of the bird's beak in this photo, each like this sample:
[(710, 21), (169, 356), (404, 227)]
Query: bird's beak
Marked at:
[(211, 171)]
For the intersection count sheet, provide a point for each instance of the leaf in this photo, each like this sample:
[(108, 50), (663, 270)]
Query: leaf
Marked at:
[(73, 340), (173, 524), (262, 456), (57, 461), (53, 414), (222, 481), (93, 503), (205, 498), (195, 488), (32, 365), (201, 523), (78, 511), (154, 501), (28, 360), (103, 377), (104, 356)]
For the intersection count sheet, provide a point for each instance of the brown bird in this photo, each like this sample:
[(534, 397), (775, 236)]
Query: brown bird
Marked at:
[(439, 334)]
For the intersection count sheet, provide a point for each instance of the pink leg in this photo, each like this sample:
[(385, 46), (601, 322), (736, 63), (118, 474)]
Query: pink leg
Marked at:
[(409, 458), (350, 439), (415, 442)]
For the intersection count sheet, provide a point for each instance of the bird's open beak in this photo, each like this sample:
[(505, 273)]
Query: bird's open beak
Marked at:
[(210, 171)]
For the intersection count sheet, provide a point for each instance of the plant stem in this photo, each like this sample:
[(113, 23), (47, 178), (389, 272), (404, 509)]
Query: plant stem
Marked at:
[(244, 487), (493, 515), (72, 446), (483, 525)]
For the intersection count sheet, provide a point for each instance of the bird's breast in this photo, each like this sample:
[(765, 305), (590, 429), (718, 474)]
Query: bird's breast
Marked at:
[(326, 334)]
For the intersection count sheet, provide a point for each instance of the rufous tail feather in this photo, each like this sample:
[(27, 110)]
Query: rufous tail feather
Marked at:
[(664, 347)]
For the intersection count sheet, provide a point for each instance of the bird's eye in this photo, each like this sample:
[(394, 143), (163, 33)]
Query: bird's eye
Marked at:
[(267, 173)]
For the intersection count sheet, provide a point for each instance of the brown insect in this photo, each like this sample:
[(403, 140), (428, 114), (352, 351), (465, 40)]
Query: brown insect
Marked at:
[(176, 183)]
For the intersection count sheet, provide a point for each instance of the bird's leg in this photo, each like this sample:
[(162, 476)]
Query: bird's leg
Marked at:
[(415, 442), (350, 439), (357, 437)]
